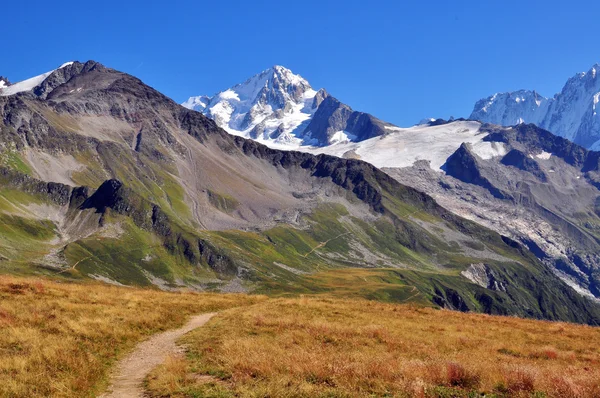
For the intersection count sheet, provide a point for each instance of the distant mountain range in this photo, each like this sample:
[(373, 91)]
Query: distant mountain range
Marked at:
[(522, 182), (574, 113)]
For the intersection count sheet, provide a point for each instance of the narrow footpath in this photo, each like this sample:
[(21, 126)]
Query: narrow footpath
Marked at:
[(129, 374)]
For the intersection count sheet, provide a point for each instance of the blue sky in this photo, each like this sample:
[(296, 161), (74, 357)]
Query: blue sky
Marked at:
[(400, 60)]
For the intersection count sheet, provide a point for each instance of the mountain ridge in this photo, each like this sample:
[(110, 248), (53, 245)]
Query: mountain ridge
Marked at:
[(180, 202), (571, 113)]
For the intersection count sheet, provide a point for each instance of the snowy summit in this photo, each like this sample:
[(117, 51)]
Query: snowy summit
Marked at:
[(272, 106), (281, 109), (572, 113)]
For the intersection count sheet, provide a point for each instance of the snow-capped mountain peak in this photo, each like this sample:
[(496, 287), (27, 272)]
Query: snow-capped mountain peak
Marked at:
[(280, 108), (269, 106), (572, 113), (275, 87), (197, 103)]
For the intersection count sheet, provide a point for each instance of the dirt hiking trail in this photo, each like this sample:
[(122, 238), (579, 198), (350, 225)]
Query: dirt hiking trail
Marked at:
[(128, 376)]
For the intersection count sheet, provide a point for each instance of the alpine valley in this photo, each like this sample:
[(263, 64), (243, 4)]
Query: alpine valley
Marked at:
[(522, 182), (104, 177)]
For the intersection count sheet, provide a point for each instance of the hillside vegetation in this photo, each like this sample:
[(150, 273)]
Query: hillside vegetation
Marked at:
[(317, 347)]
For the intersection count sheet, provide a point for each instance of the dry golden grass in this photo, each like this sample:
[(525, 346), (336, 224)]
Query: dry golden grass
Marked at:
[(59, 339), (312, 347)]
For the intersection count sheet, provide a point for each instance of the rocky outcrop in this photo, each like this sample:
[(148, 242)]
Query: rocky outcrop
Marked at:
[(332, 116), (57, 193), (114, 196), (484, 276), (319, 98), (523, 162), (463, 165)]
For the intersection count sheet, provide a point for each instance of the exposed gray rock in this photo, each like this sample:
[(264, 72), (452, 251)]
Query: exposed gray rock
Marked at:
[(484, 276), (332, 116), (319, 97)]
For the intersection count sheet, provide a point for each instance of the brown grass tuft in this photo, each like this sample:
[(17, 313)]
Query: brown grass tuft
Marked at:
[(519, 382), (458, 376)]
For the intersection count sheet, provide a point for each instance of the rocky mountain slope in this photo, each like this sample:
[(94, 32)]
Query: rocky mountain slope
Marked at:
[(280, 108), (104, 177), (523, 182), (571, 114)]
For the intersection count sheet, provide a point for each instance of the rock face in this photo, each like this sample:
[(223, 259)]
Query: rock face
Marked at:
[(482, 275), (464, 165), (280, 108), (571, 114), (157, 189), (335, 122)]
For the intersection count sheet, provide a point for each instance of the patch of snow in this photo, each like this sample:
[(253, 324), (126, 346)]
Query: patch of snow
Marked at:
[(341, 137), (488, 150), (402, 147), (29, 84), (543, 155), (197, 103), (229, 95), (396, 128), (426, 121)]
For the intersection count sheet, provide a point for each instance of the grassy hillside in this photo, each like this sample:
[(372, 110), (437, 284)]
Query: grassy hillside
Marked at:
[(310, 347), (59, 339)]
